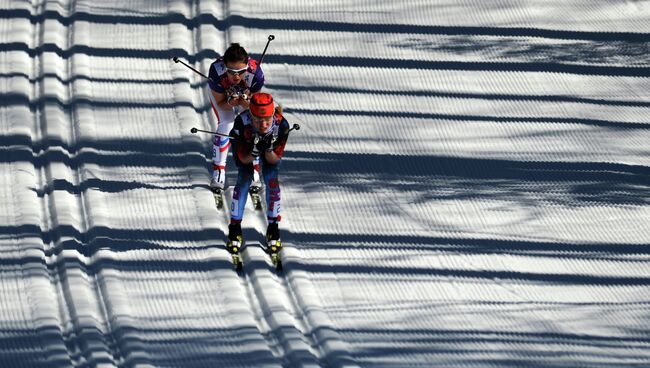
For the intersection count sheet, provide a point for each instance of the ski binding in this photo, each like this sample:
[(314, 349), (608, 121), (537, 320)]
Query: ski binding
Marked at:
[(234, 247), (273, 248)]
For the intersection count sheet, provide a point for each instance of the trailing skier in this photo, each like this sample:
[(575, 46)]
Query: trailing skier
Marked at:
[(261, 132), (233, 79)]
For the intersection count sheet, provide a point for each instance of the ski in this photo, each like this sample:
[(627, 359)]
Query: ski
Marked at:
[(277, 262), (254, 192), (235, 247), (237, 262), (218, 197), (273, 248)]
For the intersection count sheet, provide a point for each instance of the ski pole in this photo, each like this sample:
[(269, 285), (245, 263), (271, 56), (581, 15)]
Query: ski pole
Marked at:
[(271, 38), (195, 130), (176, 60)]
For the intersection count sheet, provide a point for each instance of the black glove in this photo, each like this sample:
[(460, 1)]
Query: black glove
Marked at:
[(268, 142), (236, 93)]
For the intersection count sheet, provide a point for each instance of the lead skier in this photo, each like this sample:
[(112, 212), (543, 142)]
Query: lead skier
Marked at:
[(261, 132), (233, 79)]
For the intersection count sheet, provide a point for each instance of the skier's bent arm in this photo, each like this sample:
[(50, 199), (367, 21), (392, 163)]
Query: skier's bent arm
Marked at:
[(271, 157)]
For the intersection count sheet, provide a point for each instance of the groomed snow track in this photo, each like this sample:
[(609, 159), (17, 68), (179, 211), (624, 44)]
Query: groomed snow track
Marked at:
[(470, 186)]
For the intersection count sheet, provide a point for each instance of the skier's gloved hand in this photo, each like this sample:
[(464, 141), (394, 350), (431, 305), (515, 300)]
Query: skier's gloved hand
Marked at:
[(267, 142), (232, 101)]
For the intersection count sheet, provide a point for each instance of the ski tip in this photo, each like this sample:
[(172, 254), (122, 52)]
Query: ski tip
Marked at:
[(237, 262), (218, 198), (277, 262)]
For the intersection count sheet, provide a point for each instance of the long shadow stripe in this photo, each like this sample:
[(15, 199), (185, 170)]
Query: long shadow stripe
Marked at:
[(107, 52), (350, 241), (474, 118), (467, 167), (359, 62), (331, 89), (93, 79), (148, 19), (19, 99), (114, 239), (459, 95), (322, 26), (512, 336), (356, 62), (489, 275)]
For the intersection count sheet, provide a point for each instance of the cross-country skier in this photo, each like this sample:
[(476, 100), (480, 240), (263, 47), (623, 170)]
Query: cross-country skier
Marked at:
[(259, 132), (233, 79)]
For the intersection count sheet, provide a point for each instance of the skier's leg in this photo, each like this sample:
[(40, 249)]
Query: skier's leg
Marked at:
[(244, 177), (239, 194), (273, 200), (225, 122), (273, 197), (257, 184)]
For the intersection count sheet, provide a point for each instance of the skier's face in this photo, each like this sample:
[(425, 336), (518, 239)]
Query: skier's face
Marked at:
[(235, 71), (262, 125)]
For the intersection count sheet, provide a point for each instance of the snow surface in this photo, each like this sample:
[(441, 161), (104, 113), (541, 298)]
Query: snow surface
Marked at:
[(470, 186)]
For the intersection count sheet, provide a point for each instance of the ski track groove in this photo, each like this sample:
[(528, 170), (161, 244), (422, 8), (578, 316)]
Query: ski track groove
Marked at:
[(80, 289), (245, 287), (66, 317), (66, 356), (319, 344), (218, 218), (273, 295), (92, 319), (58, 271), (247, 284), (284, 328), (273, 324), (120, 340)]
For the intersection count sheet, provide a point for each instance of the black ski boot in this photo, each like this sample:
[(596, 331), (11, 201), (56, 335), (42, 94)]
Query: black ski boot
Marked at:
[(235, 244), (273, 244)]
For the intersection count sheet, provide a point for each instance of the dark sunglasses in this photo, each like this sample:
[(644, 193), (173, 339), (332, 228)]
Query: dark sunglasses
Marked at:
[(236, 71)]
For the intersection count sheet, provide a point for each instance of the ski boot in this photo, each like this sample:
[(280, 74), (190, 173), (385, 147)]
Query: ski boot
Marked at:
[(274, 245), (217, 184), (255, 189), (235, 244)]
